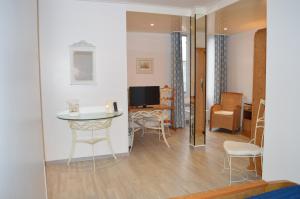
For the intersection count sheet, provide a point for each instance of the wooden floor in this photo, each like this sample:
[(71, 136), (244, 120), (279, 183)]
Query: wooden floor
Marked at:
[(151, 171)]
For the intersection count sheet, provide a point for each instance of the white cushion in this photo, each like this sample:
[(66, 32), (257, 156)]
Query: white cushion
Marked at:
[(224, 112), (242, 148)]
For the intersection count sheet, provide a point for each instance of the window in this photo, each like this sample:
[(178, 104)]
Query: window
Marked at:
[(184, 62)]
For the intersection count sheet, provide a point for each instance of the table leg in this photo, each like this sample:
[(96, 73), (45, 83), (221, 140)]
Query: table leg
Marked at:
[(109, 143), (93, 150), (74, 139)]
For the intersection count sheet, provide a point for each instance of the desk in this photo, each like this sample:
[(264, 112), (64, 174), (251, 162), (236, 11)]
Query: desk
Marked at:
[(139, 115), (89, 119)]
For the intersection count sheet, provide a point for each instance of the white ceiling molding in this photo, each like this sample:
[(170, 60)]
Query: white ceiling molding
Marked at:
[(158, 9), (170, 10), (142, 7)]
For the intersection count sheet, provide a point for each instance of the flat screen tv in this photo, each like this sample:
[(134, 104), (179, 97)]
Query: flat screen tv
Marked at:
[(144, 95)]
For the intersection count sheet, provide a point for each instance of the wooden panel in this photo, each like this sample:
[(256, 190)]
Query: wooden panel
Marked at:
[(259, 81), (200, 96)]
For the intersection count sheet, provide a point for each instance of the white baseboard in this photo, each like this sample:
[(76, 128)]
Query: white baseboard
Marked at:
[(81, 159)]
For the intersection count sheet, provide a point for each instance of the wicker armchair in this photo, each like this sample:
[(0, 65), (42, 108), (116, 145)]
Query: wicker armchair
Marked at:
[(227, 114)]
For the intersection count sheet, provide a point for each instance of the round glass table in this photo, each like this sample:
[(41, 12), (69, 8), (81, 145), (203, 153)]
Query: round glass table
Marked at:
[(89, 119)]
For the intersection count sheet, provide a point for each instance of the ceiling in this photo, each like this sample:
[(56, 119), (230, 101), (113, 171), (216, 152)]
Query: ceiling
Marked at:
[(140, 22), (239, 17), (169, 3)]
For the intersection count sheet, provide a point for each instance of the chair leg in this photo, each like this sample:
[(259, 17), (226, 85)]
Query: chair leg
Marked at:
[(255, 166), (159, 134), (94, 164), (230, 170), (132, 139), (261, 163), (93, 151), (143, 128), (169, 133), (224, 161), (74, 138), (163, 134)]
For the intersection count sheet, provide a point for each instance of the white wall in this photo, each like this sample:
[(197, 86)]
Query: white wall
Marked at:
[(62, 23), (240, 63), (21, 144), (282, 136), (149, 45)]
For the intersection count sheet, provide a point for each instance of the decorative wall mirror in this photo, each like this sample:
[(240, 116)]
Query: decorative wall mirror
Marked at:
[(83, 63)]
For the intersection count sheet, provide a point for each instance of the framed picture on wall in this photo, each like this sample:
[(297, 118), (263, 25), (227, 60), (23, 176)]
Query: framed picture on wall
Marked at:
[(82, 63), (144, 65)]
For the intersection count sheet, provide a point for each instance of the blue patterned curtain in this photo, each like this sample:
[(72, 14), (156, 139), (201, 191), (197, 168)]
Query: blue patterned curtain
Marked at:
[(220, 84), (177, 80)]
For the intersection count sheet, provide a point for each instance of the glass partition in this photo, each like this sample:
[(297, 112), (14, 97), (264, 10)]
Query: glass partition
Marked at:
[(198, 80)]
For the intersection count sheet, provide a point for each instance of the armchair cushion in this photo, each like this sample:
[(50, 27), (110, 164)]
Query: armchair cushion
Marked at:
[(221, 112)]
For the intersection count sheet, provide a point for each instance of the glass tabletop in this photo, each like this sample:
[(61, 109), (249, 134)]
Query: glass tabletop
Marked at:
[(88, 115)]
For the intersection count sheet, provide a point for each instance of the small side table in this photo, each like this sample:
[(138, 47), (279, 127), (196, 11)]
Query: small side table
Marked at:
[(90, 120)]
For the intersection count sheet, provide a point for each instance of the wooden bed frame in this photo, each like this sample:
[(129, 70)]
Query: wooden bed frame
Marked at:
[(240, 191)]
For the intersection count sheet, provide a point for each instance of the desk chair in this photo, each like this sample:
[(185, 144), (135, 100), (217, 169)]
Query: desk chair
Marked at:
[(156, 119)]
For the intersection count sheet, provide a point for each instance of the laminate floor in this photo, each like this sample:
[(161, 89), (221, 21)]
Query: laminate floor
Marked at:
[(151, 171)]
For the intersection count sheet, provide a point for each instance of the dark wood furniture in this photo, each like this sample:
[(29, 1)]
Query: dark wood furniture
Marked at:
[(247, 120), (239, 191)]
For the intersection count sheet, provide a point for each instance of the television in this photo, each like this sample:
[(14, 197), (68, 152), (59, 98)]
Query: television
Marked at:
[(144, 95)]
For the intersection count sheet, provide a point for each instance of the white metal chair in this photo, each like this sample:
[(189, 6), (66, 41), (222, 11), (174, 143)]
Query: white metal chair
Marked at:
[(136, 118), (235, 149), (139, 120)]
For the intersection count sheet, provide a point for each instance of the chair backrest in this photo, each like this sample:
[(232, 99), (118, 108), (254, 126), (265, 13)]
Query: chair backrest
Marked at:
[(166, 96), (230, 100), (260, 122)]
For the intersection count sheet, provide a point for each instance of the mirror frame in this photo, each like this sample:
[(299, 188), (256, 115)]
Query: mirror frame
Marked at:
[(82, 46)]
